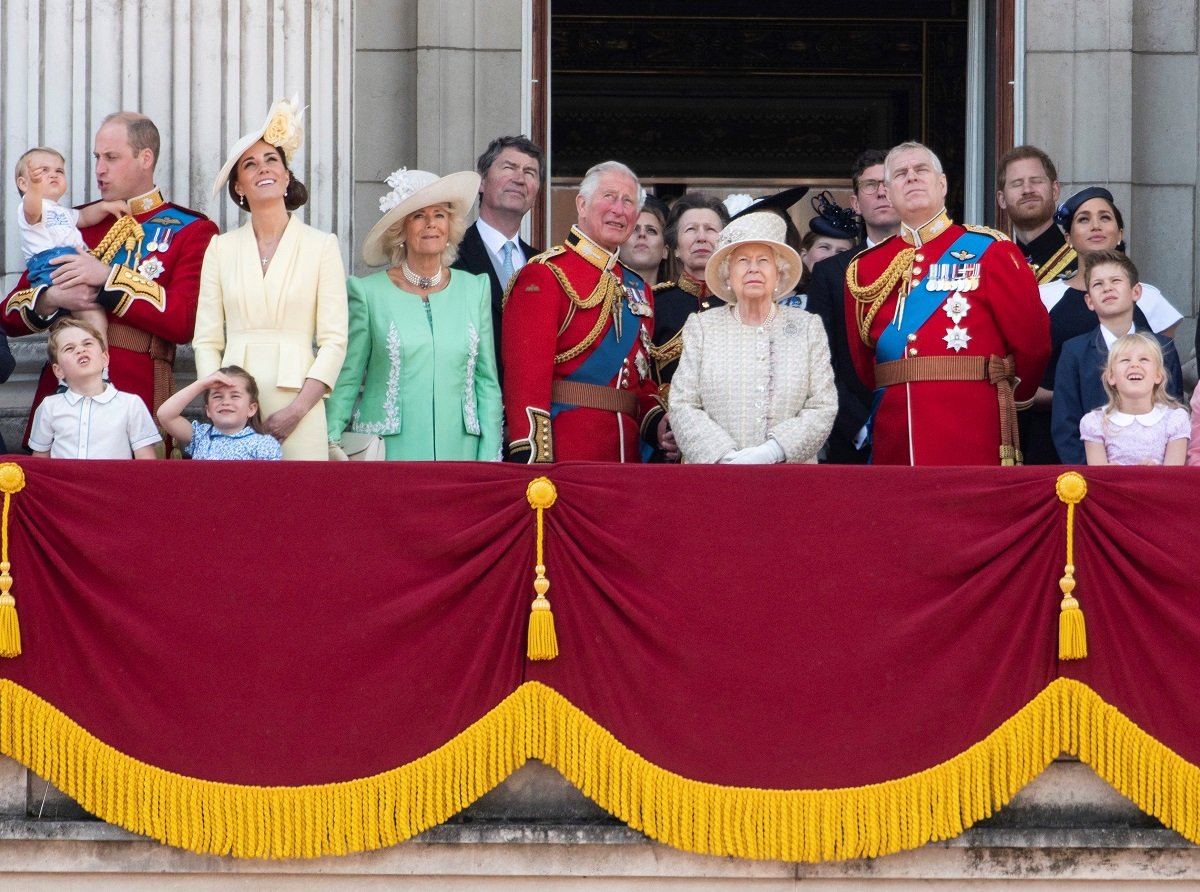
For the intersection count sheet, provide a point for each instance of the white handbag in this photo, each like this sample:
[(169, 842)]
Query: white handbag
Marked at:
[(362, 447)]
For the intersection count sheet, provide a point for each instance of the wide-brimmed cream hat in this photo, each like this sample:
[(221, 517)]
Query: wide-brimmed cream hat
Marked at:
[(764, 228), (411, 191), (282, 129)]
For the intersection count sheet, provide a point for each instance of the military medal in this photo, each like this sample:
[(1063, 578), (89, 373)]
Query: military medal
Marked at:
[(164, 240), (956, 338), (152, 268), (152, 245), (956, 307)]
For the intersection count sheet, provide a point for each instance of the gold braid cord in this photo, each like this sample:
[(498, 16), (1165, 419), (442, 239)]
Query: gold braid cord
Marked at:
[(125, 233), (878, 291), (669, 351), (606, 295)]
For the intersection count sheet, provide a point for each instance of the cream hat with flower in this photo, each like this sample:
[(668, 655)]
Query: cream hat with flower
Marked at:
[(762, 228), (411, 191), (282, 129)]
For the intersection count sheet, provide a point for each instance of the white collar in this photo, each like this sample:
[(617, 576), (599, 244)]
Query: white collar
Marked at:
[(1110, 338), (494, 240), (105, 396), (1148, 419)]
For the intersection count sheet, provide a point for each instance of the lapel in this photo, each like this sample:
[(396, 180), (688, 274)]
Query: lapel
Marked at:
[(477, 258)]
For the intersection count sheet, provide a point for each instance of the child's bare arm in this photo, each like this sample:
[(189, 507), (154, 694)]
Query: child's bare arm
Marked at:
[(145, 452), (40, 454), (100, 211), (170, 413), (31, 202)]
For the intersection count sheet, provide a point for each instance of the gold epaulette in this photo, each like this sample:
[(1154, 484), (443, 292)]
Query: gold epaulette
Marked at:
[(537, 258), (663, 286), (548, 253), (987, 230)]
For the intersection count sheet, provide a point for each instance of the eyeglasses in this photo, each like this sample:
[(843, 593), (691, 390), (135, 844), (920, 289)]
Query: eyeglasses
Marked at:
[(870, 187)]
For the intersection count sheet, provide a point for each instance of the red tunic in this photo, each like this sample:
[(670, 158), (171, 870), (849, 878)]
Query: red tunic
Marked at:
[(164, 305), (550, 334), (951, 422)]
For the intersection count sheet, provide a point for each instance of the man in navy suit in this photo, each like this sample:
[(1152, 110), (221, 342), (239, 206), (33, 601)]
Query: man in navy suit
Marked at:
[(847, 444), (513, 169)]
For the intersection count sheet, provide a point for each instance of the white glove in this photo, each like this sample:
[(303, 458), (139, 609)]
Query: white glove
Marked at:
[(336, 453), (768, 453)]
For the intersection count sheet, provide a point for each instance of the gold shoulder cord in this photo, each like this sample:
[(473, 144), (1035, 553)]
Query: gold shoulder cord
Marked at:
[(606, 295), (878, 291), (987, 230), (125, 233)]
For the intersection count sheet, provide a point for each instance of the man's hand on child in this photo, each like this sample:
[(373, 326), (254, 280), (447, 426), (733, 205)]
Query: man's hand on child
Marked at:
[(79, 269)]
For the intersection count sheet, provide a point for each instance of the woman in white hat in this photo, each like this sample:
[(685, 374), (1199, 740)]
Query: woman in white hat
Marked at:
[(754, 383), (421, 345), (272, 288)]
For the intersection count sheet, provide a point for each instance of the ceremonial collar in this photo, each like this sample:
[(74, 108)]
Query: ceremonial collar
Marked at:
[(144, 204), (698, 290), (926, 231), (589, 250)]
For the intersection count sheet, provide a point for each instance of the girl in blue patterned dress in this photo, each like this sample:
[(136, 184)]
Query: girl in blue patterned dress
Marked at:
[(234, 429)]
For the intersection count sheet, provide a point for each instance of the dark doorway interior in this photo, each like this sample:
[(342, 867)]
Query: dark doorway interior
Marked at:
[(777, 89)]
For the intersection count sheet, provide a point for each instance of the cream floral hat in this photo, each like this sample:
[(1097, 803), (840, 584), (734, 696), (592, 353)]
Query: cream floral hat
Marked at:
[(282, 129), (411, 191)]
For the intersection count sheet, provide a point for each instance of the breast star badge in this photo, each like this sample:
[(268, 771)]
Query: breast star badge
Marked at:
[(956, 338), (956, 307), (151, 268)]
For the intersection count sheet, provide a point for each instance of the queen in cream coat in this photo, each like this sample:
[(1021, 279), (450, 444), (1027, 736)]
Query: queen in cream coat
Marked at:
[(273, 291), (754, 383)]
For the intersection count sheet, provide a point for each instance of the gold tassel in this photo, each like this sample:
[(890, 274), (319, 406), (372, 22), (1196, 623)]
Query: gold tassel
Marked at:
[(12, 479), (1072, 631), (542, 642)]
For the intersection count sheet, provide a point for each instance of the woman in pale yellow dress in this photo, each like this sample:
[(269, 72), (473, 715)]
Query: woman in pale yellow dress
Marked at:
[(273, 289)]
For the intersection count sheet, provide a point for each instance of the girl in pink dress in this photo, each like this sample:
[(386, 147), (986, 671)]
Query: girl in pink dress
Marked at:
[(1142, 424)]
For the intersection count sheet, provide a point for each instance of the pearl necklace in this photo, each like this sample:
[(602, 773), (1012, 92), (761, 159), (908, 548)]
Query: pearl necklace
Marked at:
[(422, 282), (770, 316)]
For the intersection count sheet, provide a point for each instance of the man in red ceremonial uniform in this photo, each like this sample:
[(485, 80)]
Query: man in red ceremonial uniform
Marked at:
[(147, 276), (950, 328), (576, 338)]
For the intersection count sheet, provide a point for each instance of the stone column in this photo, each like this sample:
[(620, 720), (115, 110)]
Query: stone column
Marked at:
[(1112, 93), (435, 81)]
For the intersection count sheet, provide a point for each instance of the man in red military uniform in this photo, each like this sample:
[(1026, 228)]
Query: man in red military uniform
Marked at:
[(576, 338), (950, 328), (147, 275)]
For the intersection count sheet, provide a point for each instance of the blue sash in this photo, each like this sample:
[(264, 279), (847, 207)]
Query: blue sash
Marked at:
[(607, 357), (155, 230), (922, 303)]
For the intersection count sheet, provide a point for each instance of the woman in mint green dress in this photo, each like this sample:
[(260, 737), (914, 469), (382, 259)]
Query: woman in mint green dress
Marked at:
[(420, 345)]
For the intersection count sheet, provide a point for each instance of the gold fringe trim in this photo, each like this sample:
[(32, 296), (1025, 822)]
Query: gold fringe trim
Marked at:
[(536, 721)]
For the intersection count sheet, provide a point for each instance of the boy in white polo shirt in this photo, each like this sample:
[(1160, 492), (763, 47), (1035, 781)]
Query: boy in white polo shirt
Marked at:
[(92, 419)]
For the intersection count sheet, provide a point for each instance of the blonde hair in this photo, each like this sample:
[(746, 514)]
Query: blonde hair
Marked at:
[(397, 250), (1124, 345), (23, 162)]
